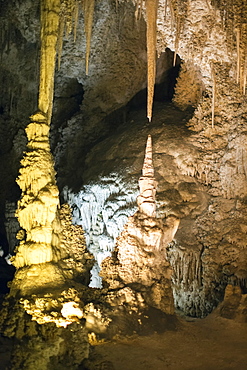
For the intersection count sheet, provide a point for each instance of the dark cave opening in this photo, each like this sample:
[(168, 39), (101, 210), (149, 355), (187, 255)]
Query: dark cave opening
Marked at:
[(6, 270), (166, 78), (67, 101), (118, 120), (164, 90)]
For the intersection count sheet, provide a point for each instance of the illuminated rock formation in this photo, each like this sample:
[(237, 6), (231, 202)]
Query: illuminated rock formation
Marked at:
[(147, 184), (38, 208), (46, 261), (151, 14), (139, 259)]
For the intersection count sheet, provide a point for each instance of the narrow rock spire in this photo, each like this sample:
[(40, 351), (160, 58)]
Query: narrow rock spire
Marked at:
[(148, 168), (147, 184)]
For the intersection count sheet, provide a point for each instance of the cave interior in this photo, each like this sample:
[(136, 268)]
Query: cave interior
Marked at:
[(123, 197)]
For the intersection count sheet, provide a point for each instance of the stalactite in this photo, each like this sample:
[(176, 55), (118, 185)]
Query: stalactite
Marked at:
[(88, 10), (50, 11), (138, 10), (69, 13), (178, 15), (213, 93), (238, 53), (166, 5), (244, 57), (172, 14), (151, 13), (245, 74), (208, 4), (234, 21), (75, 16), (60, 41), (176, 41)]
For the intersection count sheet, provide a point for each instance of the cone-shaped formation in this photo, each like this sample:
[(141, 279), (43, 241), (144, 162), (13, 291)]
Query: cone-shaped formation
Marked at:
[(50, 18), (148, 168), (88, 9), (151, 14), (146, 199), (139, 262)]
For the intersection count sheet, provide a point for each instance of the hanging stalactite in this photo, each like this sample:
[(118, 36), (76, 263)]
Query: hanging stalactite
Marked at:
[(151, 14), (234, 23), (69, 13), (50, 19), (213, 93), (88, 10)]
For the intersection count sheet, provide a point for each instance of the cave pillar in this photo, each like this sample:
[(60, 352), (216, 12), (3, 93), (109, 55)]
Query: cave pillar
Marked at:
[(38, 207), (50, 20), (41, 290)]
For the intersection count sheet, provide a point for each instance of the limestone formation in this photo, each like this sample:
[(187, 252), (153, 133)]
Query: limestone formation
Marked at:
[(38, 208), (139, 259), (147, 184), (151, 15), (44, 266), (234, 305)]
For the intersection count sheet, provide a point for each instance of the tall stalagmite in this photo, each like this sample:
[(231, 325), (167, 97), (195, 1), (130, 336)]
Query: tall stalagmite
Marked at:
[(139, 259), (147, 184)]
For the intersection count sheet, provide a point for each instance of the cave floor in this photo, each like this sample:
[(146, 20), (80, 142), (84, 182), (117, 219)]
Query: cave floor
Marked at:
[(213, 343)]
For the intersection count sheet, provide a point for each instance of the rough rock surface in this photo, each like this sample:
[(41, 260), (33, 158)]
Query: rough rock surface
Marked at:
[(43, 311), (201, 267), (60, 341)]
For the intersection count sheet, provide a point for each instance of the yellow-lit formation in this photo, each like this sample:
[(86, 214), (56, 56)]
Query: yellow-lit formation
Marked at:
[(38, 208)]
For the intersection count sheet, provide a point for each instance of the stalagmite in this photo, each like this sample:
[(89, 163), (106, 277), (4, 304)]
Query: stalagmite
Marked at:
[(147, 184), (139, 257)]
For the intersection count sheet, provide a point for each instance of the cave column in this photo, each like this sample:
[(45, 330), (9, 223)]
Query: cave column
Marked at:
[(38, 207), (50, 20)]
